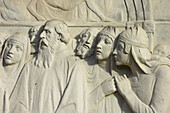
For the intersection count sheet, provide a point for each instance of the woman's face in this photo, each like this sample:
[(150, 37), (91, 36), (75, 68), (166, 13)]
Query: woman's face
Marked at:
[(104, 47), (121, 57), (13, 53)]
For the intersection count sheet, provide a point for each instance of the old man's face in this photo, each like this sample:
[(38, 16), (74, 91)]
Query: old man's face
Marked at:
[(48, 37), (34, 39), (85, 45), (47, 46)]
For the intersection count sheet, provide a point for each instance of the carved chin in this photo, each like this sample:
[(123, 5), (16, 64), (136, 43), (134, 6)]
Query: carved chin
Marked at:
[(9, 62), (98, 57)]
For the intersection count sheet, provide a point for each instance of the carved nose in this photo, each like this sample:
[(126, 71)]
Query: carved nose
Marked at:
[(42, 35), (11, 50), (99, 45), (115, 52)]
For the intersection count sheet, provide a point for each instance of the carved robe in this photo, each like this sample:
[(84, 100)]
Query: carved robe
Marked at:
[(151, 92), (4, 98), (41, 90), (101, 96)]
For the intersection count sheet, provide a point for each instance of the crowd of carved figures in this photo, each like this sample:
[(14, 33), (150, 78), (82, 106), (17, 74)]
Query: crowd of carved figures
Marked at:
[(99, 71)]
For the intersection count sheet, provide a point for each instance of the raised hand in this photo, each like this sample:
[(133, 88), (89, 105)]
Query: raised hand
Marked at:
[(123, 85)]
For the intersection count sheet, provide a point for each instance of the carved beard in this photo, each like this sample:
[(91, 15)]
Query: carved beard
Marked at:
[(45, 56)]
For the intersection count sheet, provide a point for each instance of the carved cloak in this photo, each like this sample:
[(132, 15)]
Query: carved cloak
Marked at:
[(41, 90)]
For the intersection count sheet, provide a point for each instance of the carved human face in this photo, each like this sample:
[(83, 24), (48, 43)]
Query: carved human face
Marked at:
[(121, 57), (84, 45), (34, 41), (48, 37), (104, 47), (13, 53)]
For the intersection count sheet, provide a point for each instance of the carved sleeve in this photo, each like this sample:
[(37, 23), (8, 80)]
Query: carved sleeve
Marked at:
[(160, 98)]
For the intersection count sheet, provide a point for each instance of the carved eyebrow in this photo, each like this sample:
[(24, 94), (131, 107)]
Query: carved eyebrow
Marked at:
[(86, 45), (87, 42)]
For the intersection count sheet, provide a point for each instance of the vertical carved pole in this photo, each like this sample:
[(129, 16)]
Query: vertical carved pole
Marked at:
[(149, 27)]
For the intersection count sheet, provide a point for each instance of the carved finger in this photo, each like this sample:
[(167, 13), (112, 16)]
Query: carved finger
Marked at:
[(117, 79), (125, 76), (121, 78)]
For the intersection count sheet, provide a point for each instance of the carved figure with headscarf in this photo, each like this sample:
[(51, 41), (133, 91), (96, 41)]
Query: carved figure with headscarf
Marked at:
[(147, 89)]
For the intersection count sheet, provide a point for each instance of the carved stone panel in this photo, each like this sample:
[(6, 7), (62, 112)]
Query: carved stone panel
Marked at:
[(84, 56)]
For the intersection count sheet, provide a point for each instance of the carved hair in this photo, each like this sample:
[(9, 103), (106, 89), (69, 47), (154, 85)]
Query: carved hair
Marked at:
[(93, 32), (61, 29)]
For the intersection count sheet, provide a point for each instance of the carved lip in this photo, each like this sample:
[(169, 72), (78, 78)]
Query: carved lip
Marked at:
[(8, 56), (115, 57), (44, 43), (98, 52)]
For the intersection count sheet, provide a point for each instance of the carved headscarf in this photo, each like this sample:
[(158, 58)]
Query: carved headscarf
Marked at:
[(25, 42), (109, 31), (138, 40)]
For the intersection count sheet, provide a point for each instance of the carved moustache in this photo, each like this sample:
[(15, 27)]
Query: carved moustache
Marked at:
[(44, 42)]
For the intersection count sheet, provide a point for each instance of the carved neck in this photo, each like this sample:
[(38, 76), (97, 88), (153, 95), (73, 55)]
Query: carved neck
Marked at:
[(105, 64), (10, 69)]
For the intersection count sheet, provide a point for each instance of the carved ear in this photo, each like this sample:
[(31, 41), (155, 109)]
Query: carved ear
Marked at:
[(63, 34)]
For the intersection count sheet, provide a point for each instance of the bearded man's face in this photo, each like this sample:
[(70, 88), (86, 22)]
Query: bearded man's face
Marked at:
[(47, 46)]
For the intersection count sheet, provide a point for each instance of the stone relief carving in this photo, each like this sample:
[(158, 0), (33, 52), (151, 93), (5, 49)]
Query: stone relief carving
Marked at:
[(51, 75), (145, 90), (15, 54), (82, 56), (112, 69), (79, 10)]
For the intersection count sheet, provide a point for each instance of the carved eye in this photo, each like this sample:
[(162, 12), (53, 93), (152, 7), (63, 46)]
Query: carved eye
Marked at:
[(18, 48), (107, 41), (86, 46), (48, 32), (9, 45), (85, 36), (120, 46)]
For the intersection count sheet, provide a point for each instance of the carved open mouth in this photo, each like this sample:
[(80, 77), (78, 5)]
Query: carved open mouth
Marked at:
[(98, 52), (44, 43), (115, 57), (8, 56)]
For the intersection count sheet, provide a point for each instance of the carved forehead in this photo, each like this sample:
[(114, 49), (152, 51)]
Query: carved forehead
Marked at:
[(91, 32), (105, 36), (54, 24), (17, 39)]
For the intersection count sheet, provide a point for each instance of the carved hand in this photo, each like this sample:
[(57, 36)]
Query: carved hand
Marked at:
[(123, 85), (108, 87)]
